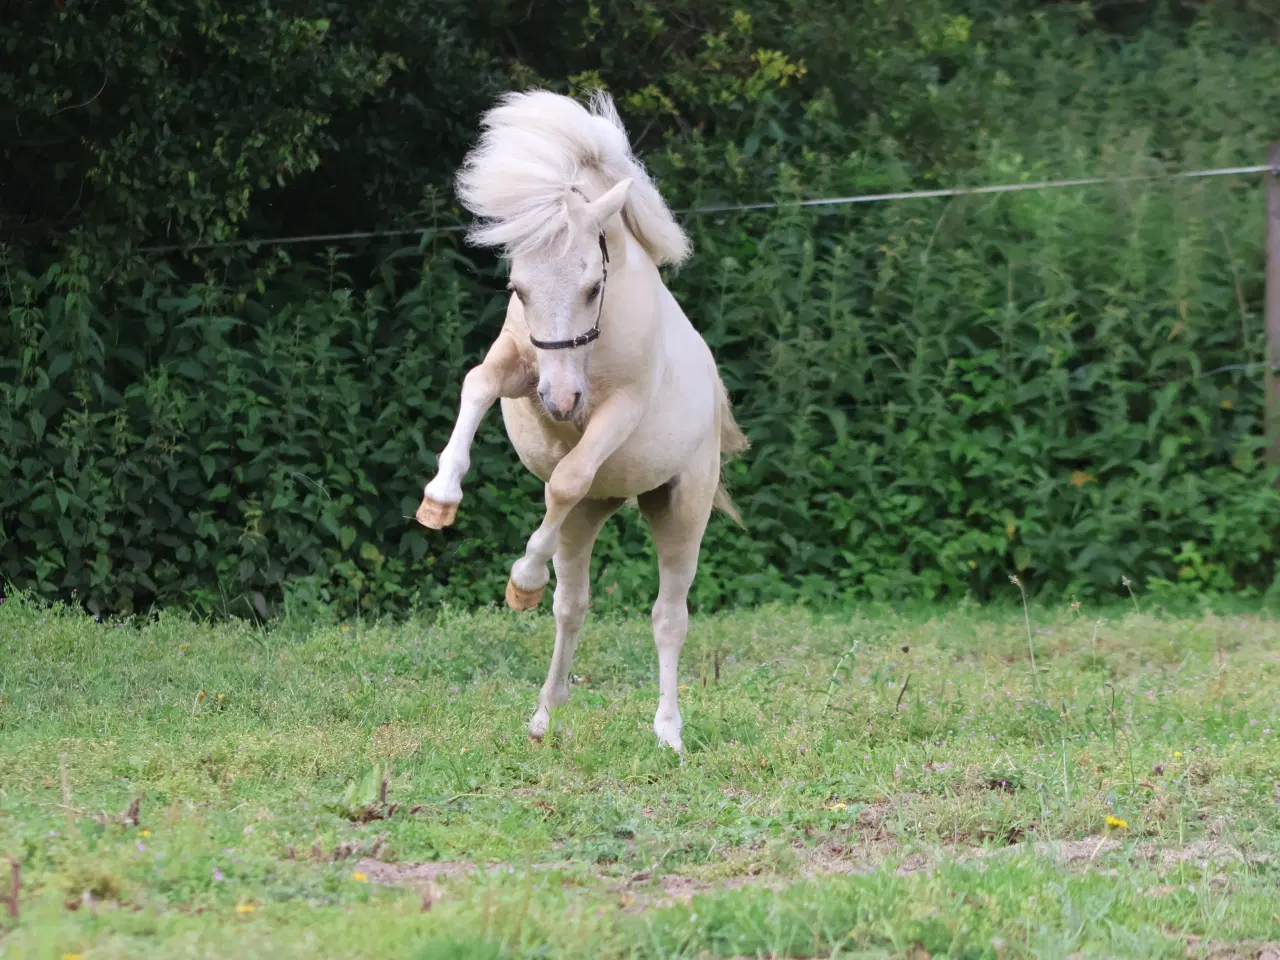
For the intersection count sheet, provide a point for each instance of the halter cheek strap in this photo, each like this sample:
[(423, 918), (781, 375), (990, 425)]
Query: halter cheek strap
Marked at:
[(591, 335)]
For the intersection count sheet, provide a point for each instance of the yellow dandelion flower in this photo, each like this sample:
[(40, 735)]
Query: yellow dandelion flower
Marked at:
[(219, 698), (73, 956), (837, 806), (1177, 753), (146, 833), (201, 695), (359, 877), (246, 908), (1226, 404), (1116, 823)]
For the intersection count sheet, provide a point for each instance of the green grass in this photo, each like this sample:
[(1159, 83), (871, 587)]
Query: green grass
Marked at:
[(821, 808)]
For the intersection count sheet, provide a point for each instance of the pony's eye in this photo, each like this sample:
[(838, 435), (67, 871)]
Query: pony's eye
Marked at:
[(593, 292)]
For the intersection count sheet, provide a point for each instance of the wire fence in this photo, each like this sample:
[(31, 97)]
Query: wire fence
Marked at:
[(751, 207)]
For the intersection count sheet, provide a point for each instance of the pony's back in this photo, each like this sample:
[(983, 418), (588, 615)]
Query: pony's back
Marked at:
[(535, 147)]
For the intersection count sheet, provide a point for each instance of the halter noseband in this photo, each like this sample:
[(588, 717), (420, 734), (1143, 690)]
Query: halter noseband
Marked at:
[(590, 336)]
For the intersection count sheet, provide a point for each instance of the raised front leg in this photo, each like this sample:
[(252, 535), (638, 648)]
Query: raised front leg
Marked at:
[(573, 571), (611, 424), (502, 374)]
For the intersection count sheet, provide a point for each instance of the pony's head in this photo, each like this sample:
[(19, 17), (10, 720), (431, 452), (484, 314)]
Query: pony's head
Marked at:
[(561, 288), (523, 179)]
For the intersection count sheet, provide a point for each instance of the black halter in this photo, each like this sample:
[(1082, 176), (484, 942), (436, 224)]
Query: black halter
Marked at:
[(590, 336)]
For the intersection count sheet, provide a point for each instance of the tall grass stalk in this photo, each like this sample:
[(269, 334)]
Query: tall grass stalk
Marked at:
[(1031, 647)]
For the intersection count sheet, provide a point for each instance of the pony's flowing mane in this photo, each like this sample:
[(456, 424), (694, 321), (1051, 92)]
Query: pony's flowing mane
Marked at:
[(535, 148)]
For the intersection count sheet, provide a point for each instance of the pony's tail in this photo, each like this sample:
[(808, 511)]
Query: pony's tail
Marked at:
[(732, 442)]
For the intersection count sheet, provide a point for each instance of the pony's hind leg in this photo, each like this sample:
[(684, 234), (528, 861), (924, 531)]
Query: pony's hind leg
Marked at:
[(502, 374), (677, 515), (573, 570)]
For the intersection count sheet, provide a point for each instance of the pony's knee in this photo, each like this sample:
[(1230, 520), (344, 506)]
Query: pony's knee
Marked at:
[(569, 483), (570, 606)]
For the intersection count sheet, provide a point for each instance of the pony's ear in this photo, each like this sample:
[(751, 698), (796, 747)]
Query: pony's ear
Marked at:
[(604, 207)]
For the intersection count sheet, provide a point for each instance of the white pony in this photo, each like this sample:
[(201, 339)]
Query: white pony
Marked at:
[(608, 393)]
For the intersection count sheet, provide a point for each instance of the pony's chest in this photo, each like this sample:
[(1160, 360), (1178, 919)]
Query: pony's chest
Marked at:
[(540, 442)]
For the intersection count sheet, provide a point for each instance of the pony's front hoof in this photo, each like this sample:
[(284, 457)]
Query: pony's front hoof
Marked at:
[(435, 515), (518, 599)]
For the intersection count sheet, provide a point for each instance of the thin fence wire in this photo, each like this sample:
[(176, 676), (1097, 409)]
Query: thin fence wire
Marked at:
[(976, 191), (1241, 367), (751, 207)]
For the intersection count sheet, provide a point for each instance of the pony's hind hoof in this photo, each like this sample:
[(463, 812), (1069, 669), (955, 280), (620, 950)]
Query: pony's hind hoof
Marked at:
[(518, 599), (435, 515)]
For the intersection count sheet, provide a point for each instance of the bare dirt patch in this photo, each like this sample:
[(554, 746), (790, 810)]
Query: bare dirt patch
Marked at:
[(867, 856), (1074, 853), (738, 869), (1235, 951), (674, 888), (412, 874), (1070, 852), (859, 856)]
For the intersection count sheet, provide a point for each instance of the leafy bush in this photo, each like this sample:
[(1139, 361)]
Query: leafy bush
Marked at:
[(940, 393)]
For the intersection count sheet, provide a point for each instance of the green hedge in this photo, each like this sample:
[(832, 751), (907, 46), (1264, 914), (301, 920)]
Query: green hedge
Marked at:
[(931, 410), (940, 393)]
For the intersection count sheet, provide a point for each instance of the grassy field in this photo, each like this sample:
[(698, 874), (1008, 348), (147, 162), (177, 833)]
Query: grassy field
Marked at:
[(898, 785)]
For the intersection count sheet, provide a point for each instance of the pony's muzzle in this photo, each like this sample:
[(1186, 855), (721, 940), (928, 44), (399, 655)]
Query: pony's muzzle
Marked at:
[(561, 404)]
